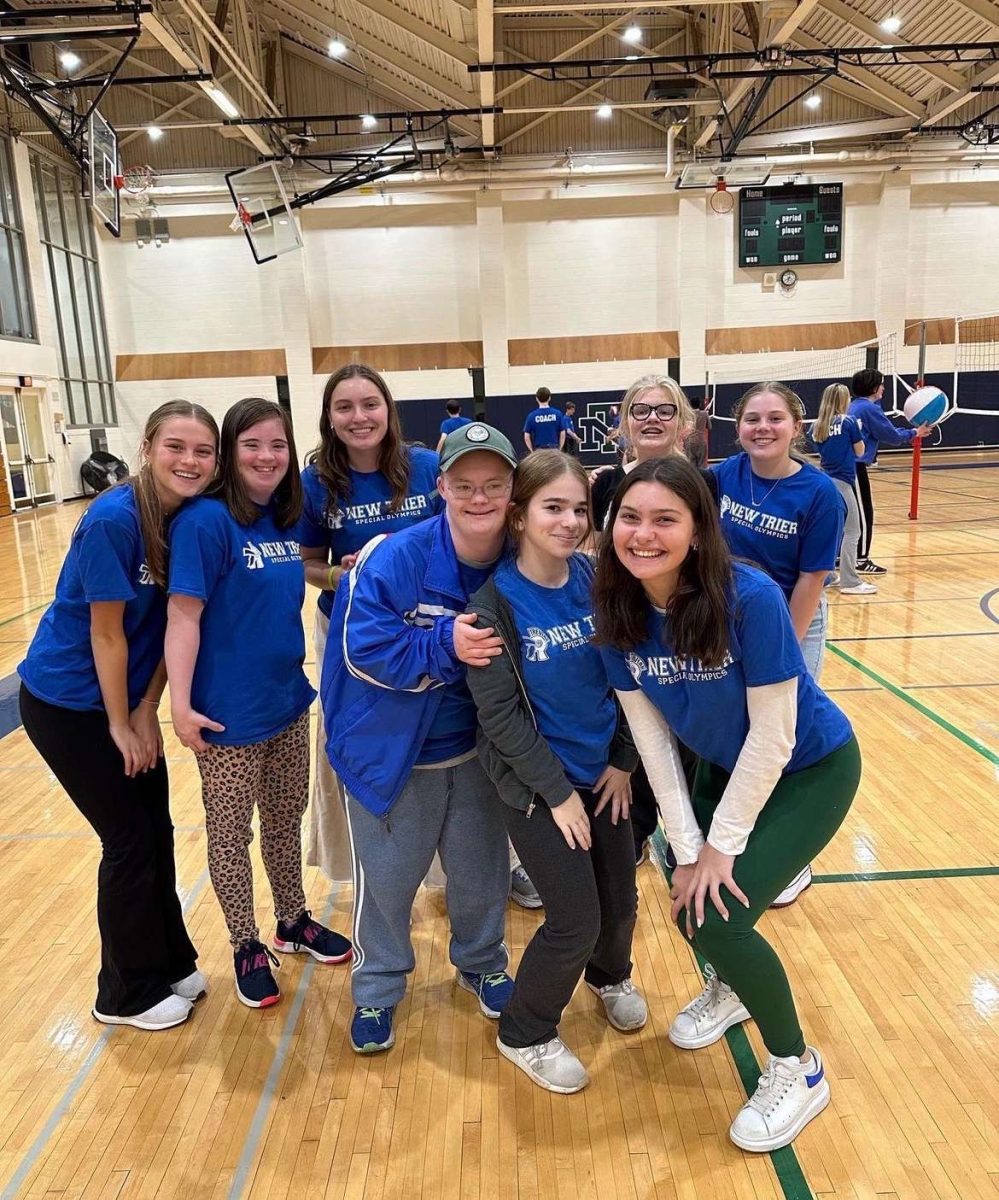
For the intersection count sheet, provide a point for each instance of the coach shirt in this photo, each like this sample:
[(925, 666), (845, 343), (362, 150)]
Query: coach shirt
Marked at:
[(249, 674), (544, 425), (836, 453)]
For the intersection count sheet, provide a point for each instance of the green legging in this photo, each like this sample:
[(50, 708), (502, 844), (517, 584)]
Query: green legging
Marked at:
[(803, 813)]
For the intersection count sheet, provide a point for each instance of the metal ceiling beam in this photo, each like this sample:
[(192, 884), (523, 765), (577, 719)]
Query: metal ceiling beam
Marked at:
[(423, 30), (984, 9), (807, 134), (62, 33), (180, 106), (850, 16), (943, 108), (44, 11), (784, 32), (596, 6), (486, 50), (388, 83), (291, 12)]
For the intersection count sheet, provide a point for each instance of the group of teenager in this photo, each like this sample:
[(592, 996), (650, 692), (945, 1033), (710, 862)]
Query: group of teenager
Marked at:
[(484, 683)]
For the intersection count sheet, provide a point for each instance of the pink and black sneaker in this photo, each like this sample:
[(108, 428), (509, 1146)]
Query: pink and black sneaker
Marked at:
[(306, 936), (256, 986)]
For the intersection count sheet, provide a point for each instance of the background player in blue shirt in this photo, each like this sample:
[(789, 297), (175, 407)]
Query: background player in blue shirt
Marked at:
[(361, 481), (572, 441), (553, 745), (868, 386), (838, 439), (702, 649), (543, 428), (454, 420), (239, 696), (91, 683)]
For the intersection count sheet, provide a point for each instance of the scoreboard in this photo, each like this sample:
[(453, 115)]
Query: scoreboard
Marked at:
[(796, 223)]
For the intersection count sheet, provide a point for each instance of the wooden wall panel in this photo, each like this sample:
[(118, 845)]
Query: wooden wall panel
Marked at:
[(939, 331), (604, 347), (405, 356), (202, 364), (760, 339)]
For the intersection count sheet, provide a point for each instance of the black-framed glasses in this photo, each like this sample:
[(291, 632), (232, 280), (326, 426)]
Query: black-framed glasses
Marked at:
[(642, 411)]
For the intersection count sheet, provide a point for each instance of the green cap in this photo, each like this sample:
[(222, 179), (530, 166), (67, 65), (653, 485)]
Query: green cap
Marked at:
[(476, 436)]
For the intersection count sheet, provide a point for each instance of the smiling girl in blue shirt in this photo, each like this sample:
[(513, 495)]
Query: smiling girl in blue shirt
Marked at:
[(362, 480), (91, 683), (703, 649), (240, 698)]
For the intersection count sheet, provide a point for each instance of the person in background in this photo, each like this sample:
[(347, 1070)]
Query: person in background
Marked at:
[(454, 420), (90, 687), (572, 441), (696, 444), (868, 386), (240, 699), (543, 428), (361, 481), (688, 634), (401, 730), (839, 442)]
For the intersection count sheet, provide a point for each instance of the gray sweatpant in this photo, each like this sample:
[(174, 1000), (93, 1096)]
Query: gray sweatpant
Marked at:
[(450, 809), (848, 576)]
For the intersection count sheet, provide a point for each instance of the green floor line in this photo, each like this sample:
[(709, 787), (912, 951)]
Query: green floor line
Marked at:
[(790, 1176), (25, 613), (989, 755), (928, 873)]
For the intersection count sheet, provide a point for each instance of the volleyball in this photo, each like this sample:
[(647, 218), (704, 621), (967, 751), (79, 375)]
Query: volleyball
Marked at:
[(925, 406)]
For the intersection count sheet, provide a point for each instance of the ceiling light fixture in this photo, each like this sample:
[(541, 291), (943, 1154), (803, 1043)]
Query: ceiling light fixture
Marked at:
[(336, 48), (70, 60), (632, 34), (813, 101), (368, 121), (604, 111), (155, 133), (891, 24)]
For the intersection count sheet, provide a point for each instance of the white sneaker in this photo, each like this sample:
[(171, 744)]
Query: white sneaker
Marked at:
[(787, 1098), (705, 1019), (174, 1010), (859, 589), (800, 883), (522, 890), (624, 1005), (192, 987), (552, 1065)]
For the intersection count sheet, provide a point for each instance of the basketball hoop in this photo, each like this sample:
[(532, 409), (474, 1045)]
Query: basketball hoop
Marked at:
[(242, 220), (721, 199), (137, 180)]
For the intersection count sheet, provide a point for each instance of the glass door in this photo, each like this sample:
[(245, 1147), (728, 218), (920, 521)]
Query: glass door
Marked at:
[(30, 466), (41, 464)]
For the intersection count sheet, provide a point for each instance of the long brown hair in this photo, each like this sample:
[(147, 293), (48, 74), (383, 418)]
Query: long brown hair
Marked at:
[(698, 610), (794, 406), (536, 471), (152, 519), (230, 487), (331, 455)]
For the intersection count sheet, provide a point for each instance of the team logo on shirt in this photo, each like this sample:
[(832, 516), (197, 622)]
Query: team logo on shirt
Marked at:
[(673, 668), (537, 642), (377, 510), (756, 519), (146, 576), (257, 556)]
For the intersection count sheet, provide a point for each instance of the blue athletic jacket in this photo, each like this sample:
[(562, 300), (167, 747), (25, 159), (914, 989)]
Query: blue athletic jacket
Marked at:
[(389, 652)]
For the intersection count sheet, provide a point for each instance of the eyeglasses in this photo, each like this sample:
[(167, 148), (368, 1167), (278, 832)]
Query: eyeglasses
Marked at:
[(642, 411), (495, 489)]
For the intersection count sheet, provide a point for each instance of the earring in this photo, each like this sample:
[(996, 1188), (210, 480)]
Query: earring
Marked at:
[(693, 546)]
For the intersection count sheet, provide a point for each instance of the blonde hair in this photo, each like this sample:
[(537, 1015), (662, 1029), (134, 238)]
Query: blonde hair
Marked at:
[(659, 383), (536, 471), (835, 401)]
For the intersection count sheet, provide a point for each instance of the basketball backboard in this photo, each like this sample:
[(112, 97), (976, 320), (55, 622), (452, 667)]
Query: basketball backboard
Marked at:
[(102, 151), (263, 212), (707, 174)]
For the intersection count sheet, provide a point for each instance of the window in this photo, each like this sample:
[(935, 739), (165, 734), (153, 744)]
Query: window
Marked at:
[(16, 317), (75, 292)]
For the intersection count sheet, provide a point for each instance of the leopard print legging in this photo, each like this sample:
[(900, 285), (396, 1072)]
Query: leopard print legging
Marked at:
[(274, 775)]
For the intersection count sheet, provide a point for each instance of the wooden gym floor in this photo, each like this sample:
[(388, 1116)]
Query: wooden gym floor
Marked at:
[(894, 956)]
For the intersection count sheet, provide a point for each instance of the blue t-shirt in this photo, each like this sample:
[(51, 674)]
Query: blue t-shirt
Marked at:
[(794, 525), (346, 527), (544, 425), (249, 674), (564, 675), (836, 452), (706, 706), (452, 731), (106, 561), (450, 424)]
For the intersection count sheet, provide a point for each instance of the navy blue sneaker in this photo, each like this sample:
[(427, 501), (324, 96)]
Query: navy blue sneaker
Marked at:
[(670, 857), (306, 936), (371, 1030), (256, 987), (493, 990)]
